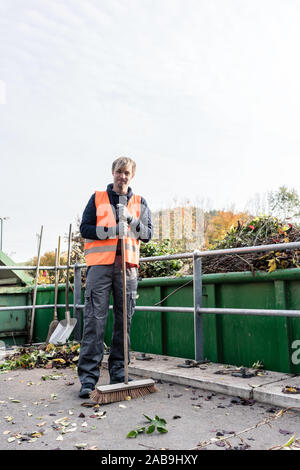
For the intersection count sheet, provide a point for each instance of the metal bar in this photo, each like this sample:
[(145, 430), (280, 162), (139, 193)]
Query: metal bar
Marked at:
[(250, 249), (29, 307), (198, 319), (166, 257), (227, 251), (228, 311), (244, 311), (10, 333), (77, 300), (165, 309), (32, 268)]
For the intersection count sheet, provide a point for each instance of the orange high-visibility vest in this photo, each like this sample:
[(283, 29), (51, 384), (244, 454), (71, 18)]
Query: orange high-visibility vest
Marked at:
[(104, 251)]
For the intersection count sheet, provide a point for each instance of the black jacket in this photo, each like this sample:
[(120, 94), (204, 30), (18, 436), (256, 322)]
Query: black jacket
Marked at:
[(89, 218)]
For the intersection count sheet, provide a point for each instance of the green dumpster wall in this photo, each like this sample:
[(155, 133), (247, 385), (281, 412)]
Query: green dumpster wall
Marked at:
[(13, 323), (228, 339)]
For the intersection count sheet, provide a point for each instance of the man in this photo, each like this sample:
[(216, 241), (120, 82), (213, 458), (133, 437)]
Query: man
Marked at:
[(108, 216)]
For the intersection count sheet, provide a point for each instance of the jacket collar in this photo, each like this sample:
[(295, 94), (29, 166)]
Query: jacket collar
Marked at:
[(109, 189)]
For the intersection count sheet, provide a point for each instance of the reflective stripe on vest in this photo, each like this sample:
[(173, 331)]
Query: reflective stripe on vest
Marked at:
[(104, 251)]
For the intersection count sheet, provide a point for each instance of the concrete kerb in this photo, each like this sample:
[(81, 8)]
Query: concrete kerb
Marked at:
[(265, 388)]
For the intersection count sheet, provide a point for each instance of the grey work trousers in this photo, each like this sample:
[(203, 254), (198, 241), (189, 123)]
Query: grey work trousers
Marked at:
[(101, 280)]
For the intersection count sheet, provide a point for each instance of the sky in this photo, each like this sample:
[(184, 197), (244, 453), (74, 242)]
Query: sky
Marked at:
[(203, 94)]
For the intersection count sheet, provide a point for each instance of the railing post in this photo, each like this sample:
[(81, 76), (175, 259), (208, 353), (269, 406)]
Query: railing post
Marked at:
[(77, 301), (198, 320)]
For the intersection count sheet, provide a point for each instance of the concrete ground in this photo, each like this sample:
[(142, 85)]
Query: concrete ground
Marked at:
[(40, 410)]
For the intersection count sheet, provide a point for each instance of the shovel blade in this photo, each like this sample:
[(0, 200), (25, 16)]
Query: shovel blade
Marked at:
[(63, 331)]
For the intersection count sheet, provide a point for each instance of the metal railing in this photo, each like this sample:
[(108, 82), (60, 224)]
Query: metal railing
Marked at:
[(198, 310)]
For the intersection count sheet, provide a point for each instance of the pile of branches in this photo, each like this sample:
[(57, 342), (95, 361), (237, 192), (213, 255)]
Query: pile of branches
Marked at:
[(262, 230)]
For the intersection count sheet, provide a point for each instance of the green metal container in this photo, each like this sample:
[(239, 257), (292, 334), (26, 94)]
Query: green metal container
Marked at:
[(229, 339)]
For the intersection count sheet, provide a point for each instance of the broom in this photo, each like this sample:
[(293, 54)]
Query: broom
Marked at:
[(137, 388), (55, 320)]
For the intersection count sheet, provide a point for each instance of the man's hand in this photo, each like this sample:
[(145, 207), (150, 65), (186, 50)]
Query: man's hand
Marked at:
[(123, 213)]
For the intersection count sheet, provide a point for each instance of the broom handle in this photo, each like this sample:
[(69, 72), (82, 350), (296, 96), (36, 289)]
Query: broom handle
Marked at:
[(55, 287), (124, 312)]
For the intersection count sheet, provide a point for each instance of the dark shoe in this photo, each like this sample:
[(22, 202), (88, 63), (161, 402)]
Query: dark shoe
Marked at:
[(85, 390), (119, 381)]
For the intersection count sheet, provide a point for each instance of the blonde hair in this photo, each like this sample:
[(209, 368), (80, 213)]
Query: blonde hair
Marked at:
[(121, 162)]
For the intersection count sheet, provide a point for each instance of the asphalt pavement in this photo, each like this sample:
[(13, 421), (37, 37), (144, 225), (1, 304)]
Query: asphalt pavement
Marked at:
[(205, 408)]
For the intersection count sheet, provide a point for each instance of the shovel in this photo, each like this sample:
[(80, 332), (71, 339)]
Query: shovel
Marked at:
[(55, 320), (65, 327), (35, 287)]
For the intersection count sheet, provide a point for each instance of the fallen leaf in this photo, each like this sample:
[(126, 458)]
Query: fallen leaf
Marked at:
[(289, 389), (65, 431), (81, 445), (220, 444), (284, 431), (36, 434), (41, 424), (59, 438), (63, 421), (11, 439), (290, 441)]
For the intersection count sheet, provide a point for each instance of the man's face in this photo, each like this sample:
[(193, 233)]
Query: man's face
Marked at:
[(122, 178)]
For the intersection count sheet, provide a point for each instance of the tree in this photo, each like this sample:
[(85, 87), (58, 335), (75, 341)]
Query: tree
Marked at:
[(284, 203), (219, 224)]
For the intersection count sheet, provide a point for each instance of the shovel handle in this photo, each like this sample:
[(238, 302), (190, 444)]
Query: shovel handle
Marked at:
[(68, 268), (35, 287), (57, 261)]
